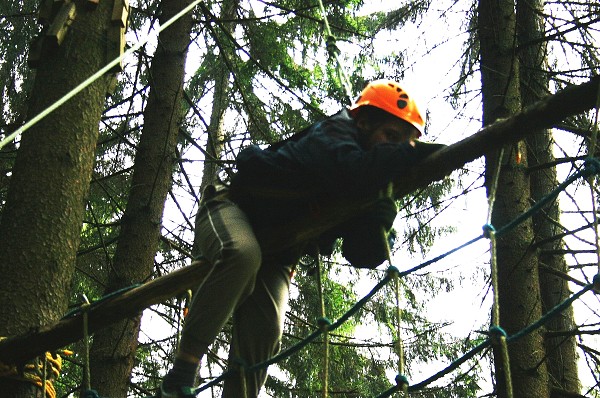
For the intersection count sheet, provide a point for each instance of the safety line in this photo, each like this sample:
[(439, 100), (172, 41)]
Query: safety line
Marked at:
[(555, 310), (498, 335), (334, 52), (30, 123), (323, 323), (93, 304), (591, 166), (585, 172), (452, 366), (395, 277), (307, 340), (591, 180)]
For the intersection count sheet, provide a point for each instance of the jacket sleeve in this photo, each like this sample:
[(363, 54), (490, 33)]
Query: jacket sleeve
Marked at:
[(331, 154)]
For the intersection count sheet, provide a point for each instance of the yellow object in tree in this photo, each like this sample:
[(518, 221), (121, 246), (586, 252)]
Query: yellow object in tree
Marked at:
[(42, 372)]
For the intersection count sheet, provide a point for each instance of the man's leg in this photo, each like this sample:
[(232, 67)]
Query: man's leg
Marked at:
[(228, 243), (257, 330)]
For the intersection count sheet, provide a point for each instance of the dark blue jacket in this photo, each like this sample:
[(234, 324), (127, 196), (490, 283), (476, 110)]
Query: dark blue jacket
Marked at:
[(324, 163)]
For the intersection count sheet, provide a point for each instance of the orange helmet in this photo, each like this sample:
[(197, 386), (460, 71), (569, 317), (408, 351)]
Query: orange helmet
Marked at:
[(389, 96)]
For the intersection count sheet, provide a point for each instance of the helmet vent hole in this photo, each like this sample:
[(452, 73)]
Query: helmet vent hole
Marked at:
[(402, 104)]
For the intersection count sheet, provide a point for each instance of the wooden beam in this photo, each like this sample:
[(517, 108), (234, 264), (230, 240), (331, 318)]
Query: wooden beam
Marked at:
[(545, 114), (129, 304)]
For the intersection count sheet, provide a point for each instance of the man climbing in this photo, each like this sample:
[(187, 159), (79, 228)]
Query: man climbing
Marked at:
[(355, 153)]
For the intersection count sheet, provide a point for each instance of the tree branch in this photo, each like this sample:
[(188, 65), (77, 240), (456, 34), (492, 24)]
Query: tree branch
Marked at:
[(542, 115)]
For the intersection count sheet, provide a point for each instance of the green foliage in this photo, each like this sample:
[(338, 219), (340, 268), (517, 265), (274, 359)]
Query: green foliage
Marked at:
[(71, 375), (470, 60), (19, 26), (409, 12), (416, 214)]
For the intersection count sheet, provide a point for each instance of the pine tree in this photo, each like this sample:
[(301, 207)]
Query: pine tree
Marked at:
[(43, 213)]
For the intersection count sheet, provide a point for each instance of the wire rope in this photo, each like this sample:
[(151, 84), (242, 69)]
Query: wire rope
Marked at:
[(497, 334)]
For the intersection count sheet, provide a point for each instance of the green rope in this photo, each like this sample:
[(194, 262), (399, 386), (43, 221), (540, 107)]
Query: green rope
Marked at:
[(394, 275), (401, 380), (44, 376), (500, 338), (483, 345), (334, 52), (591, 180), (324, 324), (86, 343), (591, 166)]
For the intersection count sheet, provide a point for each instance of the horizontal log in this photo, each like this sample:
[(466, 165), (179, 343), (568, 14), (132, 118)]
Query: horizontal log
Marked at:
[(131, 303), (545, 114)]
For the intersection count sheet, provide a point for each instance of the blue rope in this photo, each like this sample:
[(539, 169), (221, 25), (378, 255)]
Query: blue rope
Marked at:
[(591, 166), (438, 258), (556, 309), (493, 333)]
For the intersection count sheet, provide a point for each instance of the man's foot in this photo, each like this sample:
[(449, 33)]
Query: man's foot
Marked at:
[(172, 391)]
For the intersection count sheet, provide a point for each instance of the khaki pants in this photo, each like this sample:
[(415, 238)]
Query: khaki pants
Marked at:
[(237, 284)]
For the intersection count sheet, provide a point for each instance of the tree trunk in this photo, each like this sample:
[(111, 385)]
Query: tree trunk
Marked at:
[(214, 144), (114, 349), (560, 351), (42, 218), (518, 285)]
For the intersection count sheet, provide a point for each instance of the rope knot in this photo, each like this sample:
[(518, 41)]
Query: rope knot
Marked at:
[(324, 323), (41, 372), (91, 394), (239, 363), (592, 165), (497, 333), (596, 283), (331, 45), (401, 380), (488, 230), (393, 272)]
